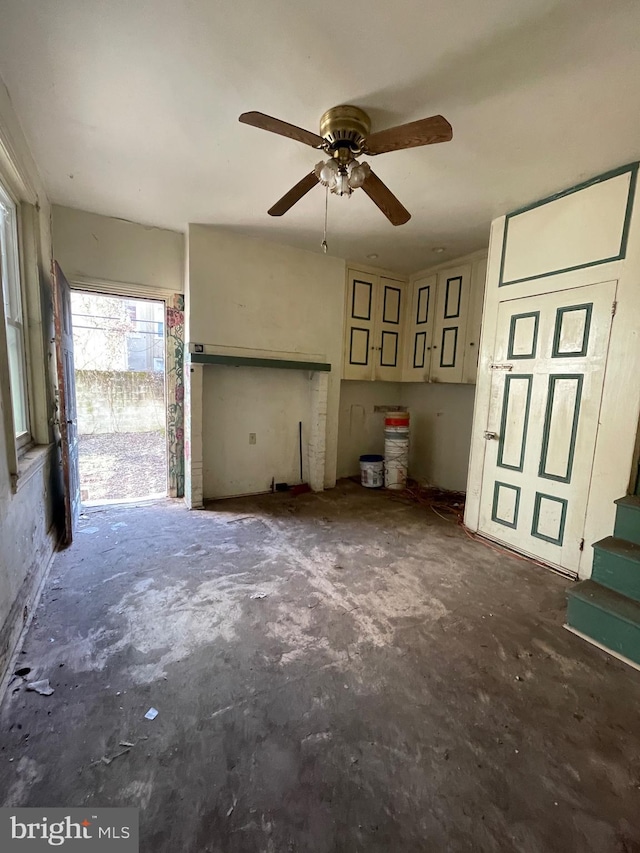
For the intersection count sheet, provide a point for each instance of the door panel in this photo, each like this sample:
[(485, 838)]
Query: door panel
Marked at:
[(66, 401), (420, 329), (548, 371), (388, 365), (451, 314), (361, 301)]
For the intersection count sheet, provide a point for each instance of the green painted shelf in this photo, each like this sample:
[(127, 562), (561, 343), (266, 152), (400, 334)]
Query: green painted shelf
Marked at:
[(243, 361)]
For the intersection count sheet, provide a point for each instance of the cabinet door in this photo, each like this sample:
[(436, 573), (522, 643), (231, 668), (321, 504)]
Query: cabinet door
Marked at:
[(362, 291), (420, 330), (472, 338), (450, 324), (389, 329)]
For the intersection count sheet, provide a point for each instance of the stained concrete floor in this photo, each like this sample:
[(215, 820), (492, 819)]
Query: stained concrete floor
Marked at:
[(335, 672)]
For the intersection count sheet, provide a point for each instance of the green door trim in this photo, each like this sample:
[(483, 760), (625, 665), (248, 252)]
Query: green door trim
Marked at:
[(536, 517), (395, 336), (448, 316), (553, 378), (369, 284), (420, 322), (631, 168), (422, 335), (560, 312), (395, 322), (455, 346), (503, 420), (366, 346), (494, 506), (512, 334)]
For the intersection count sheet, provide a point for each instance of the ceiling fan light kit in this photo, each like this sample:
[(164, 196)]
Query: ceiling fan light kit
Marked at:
[(345, 134)]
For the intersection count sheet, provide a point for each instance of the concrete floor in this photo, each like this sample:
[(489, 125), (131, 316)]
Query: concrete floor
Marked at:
[(399, 687)]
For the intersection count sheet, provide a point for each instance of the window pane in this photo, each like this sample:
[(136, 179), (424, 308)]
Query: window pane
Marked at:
[(16, 377)]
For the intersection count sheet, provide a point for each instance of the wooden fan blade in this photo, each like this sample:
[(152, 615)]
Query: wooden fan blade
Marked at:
[(295, 194), (381, 195), (426, 131), (274, 125)]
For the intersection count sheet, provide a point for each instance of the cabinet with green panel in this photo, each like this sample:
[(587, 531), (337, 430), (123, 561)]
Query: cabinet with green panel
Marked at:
[(374, 326), (443, 326)]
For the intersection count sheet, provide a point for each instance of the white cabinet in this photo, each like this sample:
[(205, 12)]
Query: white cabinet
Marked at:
[(443, 326), (374, 328), (450, 324), (476, 302), (424, 330), (420, 329)]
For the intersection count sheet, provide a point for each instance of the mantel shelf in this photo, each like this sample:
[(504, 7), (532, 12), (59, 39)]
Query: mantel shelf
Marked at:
[(243, 361)]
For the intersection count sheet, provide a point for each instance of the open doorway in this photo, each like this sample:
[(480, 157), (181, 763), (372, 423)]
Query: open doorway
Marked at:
[(119, 351)]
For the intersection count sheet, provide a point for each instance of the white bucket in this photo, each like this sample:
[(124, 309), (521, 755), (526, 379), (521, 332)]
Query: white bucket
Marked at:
[(372, 471), (396, 459)]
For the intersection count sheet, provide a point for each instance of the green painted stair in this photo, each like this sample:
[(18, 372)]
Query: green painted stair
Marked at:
[(610, 619), (606, 608), (616, 564), (628, 519)]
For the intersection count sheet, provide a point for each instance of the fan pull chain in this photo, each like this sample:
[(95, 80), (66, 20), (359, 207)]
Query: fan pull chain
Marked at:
[(324, 245)]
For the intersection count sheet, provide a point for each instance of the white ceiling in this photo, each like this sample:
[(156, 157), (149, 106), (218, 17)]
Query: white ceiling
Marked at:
[(131, 107)]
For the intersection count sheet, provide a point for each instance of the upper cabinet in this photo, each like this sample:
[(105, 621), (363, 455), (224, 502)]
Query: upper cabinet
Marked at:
[(424, 330), (443, 327), (374, 328), (450, 324), (420, 329)]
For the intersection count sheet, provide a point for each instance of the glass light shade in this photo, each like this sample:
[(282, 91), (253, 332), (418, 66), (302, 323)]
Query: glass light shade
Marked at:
[(357, 175), (329, 173)]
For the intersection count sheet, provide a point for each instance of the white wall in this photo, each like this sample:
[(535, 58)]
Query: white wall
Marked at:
[(269, 402), (101, 248), (361, 428), (249, 297), (27, 530), (441, 422), (441, 418)]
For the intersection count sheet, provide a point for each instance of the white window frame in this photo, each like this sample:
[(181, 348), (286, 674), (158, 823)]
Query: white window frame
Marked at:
[(14, 314)]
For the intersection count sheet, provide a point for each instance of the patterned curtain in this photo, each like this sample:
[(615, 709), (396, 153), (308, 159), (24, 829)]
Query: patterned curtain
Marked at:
[(175, 394)]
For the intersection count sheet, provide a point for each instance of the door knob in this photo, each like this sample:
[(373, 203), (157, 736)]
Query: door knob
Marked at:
[(490, 436)]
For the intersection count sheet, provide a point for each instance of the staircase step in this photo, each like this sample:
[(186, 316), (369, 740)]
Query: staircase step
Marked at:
[(616, 564), (608, 618), (628, 518)]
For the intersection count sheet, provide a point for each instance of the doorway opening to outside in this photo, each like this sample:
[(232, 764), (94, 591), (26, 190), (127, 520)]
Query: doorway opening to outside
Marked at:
[(120, 357)]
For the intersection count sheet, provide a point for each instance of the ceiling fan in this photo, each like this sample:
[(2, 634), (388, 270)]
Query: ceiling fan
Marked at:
[(345, 134)]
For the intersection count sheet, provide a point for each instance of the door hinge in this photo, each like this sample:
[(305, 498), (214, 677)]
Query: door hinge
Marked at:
[(581, 545), (614, 308)]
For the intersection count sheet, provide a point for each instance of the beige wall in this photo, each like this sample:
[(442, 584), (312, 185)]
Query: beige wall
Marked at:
[(251, 297), (269, 403), (362, 428), (441, 421), (440, 440), (101, 248), (27, 510)]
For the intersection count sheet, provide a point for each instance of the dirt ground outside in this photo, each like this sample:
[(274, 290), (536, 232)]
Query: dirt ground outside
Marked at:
[(121, 466)]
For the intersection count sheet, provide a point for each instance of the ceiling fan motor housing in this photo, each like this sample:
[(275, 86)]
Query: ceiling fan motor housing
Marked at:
[(345, 127)]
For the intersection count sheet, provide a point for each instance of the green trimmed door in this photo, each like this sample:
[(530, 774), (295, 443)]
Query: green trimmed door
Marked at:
[(547, 375)]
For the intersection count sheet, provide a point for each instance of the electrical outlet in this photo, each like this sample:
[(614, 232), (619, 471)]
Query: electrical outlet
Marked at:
[(252, 438)]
